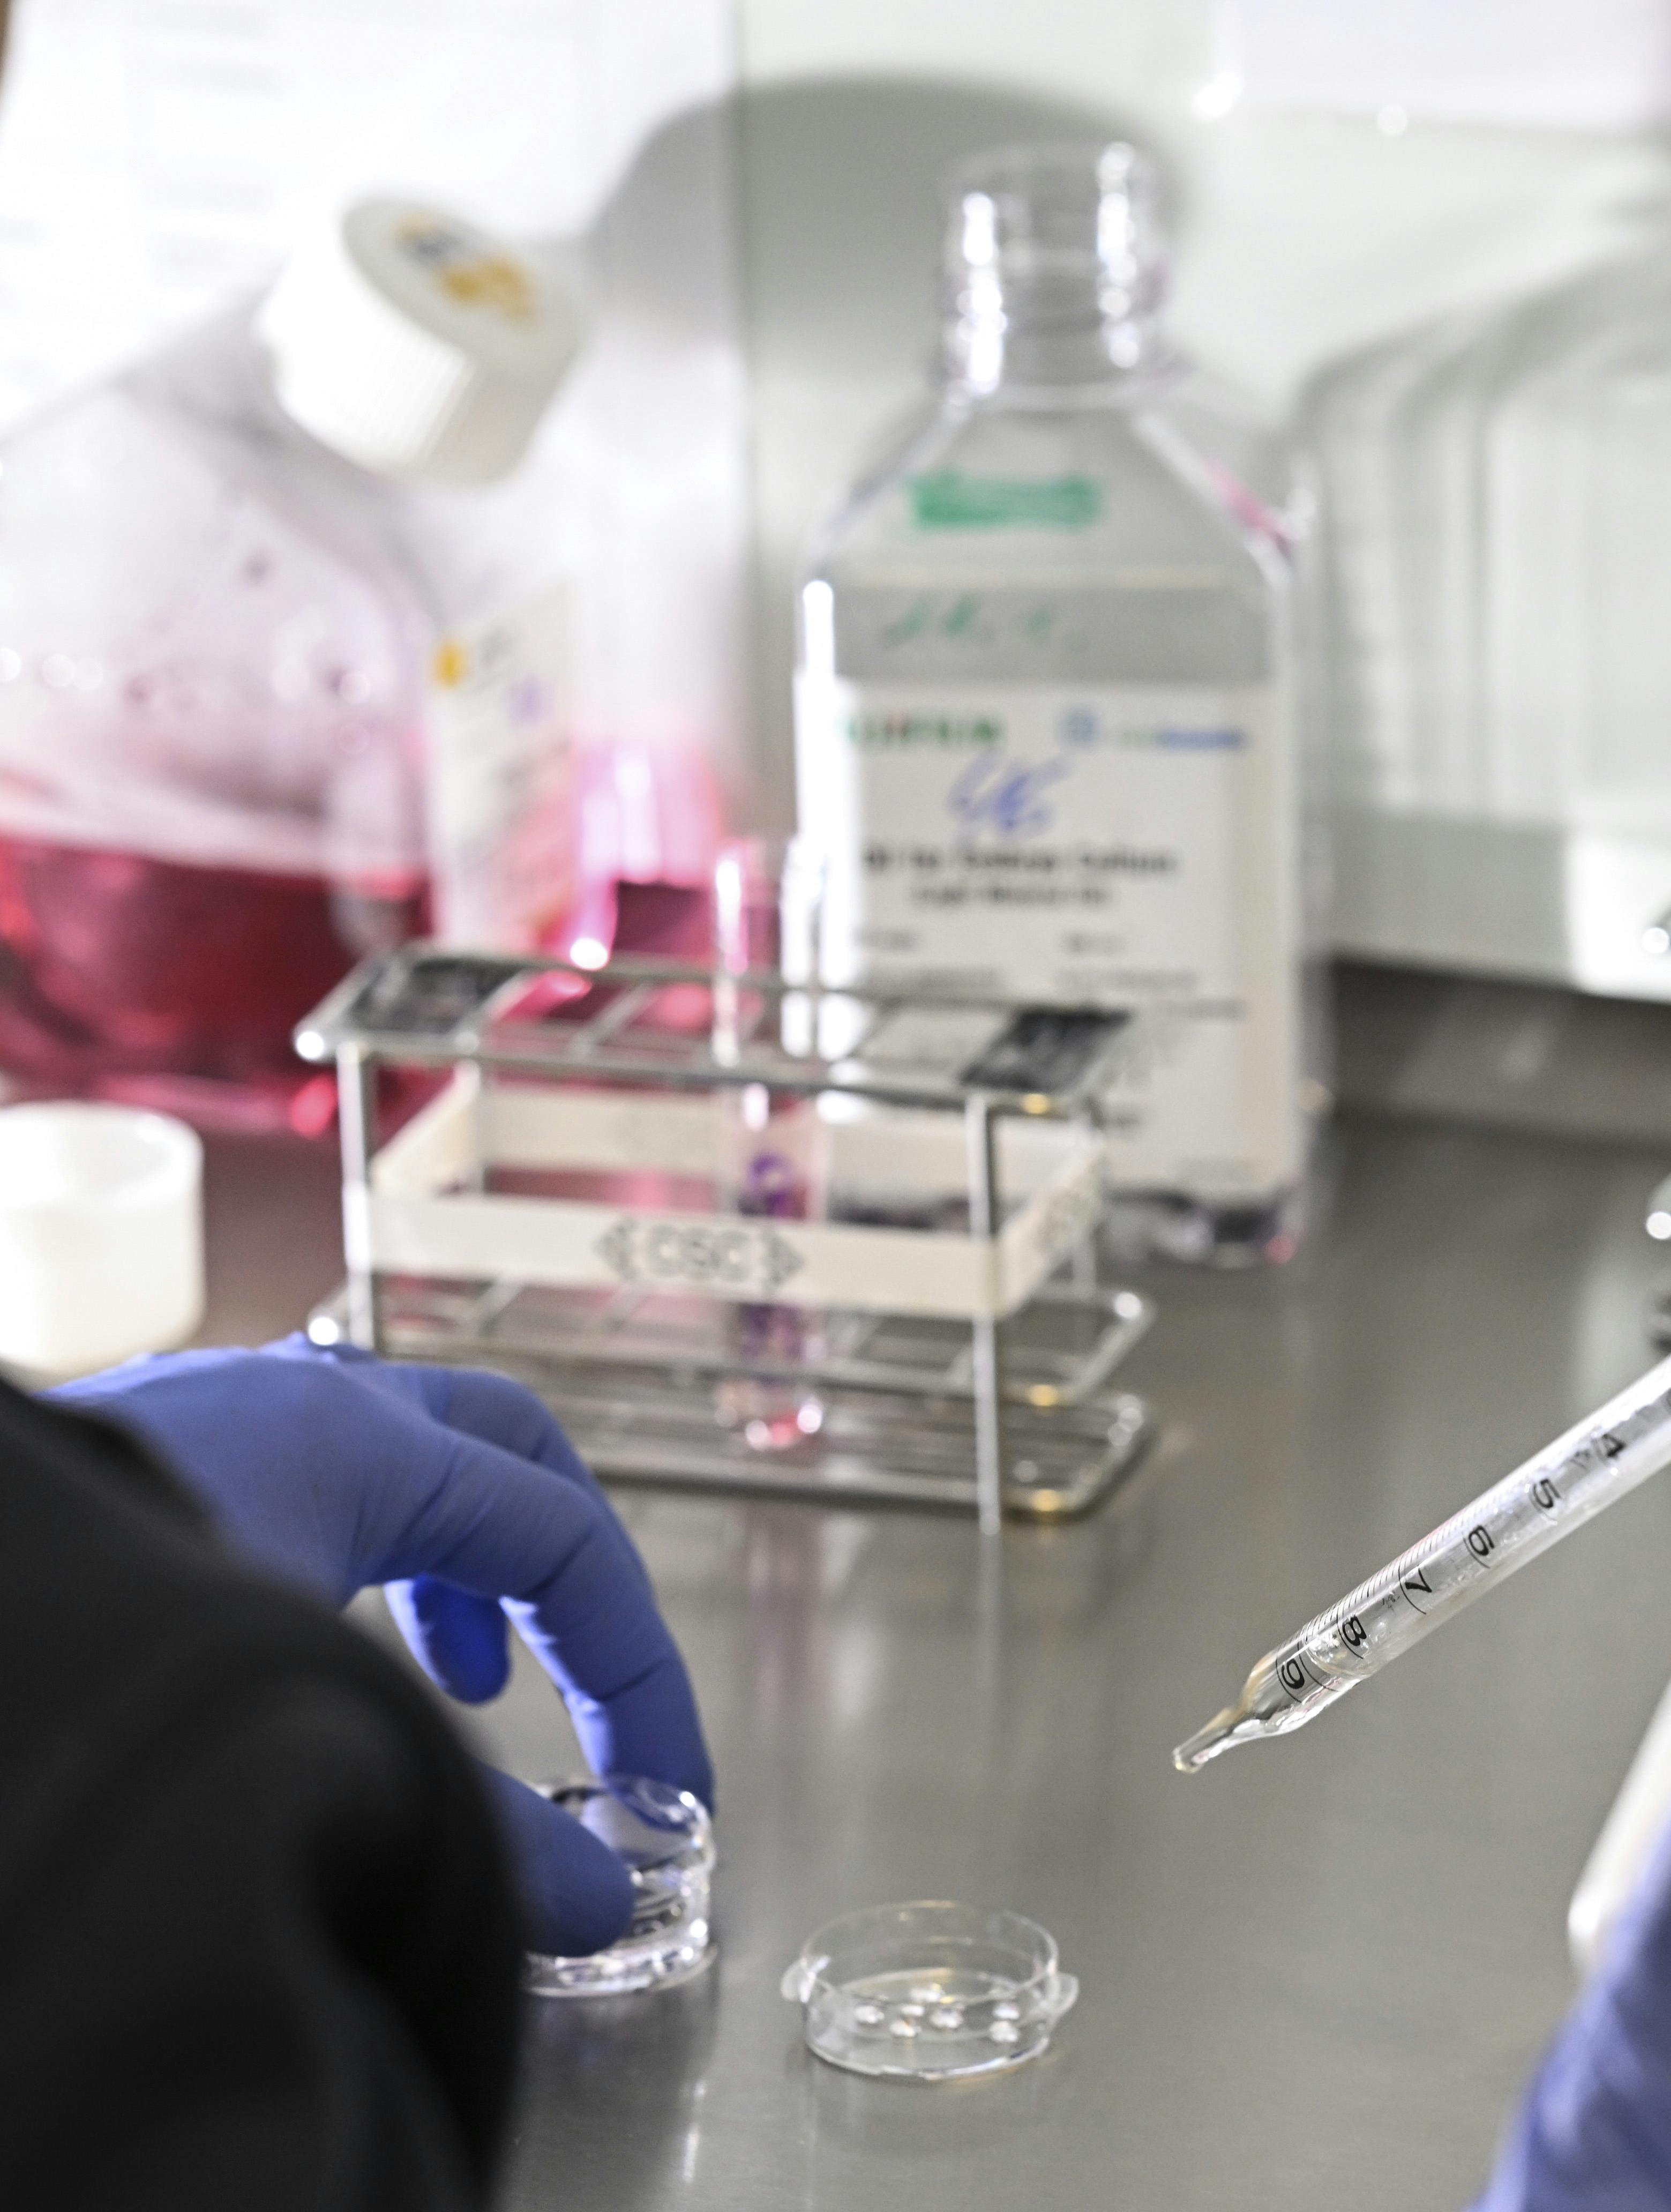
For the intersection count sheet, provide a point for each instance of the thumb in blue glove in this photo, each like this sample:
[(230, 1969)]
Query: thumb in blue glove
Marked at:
[(577, 1894)]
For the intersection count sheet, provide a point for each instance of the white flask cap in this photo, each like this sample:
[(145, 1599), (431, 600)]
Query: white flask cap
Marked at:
[(416, 345)]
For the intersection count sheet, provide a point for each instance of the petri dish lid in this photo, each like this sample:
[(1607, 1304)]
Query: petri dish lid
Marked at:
[(646, 1823), (929, 1991)]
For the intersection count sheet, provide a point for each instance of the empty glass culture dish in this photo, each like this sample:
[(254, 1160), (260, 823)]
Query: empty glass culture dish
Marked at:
[(666, 1839), (930, 1992)]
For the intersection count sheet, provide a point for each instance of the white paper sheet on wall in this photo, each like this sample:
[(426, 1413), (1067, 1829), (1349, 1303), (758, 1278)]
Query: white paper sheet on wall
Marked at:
[(1579, 64), (158, 157)]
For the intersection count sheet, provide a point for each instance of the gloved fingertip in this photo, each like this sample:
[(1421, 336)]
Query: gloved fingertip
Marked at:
[(695, 1774), (577, 1896), (653, 1729), (458, 1639)]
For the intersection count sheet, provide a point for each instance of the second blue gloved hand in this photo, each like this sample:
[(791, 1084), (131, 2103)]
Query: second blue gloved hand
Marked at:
[(1594, 2133), (456, 1492)]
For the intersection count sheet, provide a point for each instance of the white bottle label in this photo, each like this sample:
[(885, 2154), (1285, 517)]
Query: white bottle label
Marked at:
[(1116, 844), (500, 771)]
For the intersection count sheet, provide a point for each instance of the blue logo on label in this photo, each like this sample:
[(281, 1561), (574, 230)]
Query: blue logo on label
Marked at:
[(993, 793)]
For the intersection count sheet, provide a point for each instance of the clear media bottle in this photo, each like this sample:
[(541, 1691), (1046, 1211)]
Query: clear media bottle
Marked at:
[(275, 688), (1044, 717)]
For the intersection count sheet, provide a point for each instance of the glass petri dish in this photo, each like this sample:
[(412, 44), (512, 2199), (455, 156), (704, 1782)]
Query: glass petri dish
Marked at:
[(666, 1839), (929, 1991)]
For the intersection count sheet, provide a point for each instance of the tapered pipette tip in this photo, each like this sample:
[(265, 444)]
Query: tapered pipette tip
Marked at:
[(1206, 1743)]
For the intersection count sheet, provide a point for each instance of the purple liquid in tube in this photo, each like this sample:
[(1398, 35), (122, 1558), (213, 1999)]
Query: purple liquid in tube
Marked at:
[(773, 1148)]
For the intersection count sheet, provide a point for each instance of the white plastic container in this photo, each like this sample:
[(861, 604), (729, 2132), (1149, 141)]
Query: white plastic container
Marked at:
[(101, 1237)]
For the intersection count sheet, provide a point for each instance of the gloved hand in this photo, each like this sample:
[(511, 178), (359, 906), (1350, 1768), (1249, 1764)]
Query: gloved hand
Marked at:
[(458, 1493), (1594, 2129)]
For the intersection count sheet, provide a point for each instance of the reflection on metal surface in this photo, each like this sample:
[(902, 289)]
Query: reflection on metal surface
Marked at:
[(614, 2087)]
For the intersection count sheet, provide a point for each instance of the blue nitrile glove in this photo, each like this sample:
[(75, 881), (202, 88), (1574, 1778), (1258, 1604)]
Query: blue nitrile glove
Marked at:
[(459, 1492), (1594, 2129)]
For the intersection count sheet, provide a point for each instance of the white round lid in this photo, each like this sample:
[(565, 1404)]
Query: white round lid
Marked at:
[(416, 345)]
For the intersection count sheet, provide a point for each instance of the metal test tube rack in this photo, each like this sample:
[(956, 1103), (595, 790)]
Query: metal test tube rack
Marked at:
[(549, 1062)]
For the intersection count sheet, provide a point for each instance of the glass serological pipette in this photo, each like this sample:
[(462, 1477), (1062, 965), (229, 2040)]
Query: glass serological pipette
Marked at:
[(1555, 1492)]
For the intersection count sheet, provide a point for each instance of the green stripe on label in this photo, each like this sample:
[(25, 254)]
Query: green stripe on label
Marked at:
[(949, 499)]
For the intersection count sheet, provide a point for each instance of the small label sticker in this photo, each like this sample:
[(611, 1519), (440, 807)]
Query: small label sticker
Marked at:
[(739, 1258), (500, 825), (1114, 847), (946, 499)]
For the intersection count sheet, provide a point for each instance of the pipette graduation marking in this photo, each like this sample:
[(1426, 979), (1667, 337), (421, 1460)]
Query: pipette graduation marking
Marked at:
[(1564, 1485)]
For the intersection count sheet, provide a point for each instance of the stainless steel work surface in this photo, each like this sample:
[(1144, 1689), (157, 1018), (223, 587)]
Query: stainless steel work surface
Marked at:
[(1316, 1974)]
